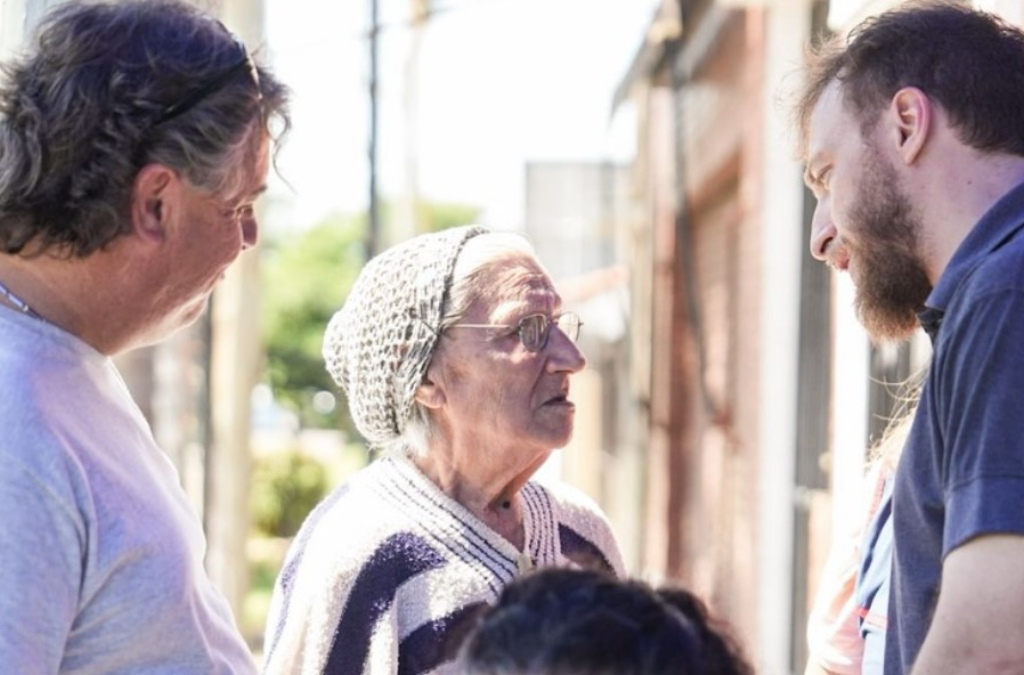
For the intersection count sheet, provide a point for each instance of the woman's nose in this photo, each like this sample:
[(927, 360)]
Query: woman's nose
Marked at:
[(565, 355)]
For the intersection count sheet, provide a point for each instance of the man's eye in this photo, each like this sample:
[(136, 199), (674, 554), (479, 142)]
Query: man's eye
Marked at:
[(240, 212)]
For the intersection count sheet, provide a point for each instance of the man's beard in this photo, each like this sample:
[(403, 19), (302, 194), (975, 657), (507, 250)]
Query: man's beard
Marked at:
[(892, 284)]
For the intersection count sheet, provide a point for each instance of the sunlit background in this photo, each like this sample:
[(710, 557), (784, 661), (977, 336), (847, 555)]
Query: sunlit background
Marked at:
[(466, 96)]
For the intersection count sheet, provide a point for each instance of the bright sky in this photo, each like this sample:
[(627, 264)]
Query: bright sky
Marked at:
[(501, 82)]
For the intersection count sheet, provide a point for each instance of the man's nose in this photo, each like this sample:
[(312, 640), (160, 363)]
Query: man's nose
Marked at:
[(823, 231), (250, 231)]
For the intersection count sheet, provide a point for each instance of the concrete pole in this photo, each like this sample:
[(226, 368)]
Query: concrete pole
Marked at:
[(787, 29), (234, 368)]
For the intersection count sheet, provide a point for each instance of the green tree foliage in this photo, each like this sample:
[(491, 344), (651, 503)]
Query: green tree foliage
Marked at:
[(442, 215), (285, 488), (305, 280)]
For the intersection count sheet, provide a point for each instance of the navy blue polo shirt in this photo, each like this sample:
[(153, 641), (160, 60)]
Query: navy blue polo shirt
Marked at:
[(962, 470)]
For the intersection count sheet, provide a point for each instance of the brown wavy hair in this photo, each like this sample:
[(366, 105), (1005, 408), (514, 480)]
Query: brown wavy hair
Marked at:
[(969, 61)]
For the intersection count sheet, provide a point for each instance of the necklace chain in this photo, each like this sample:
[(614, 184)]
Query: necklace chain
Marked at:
[(18, 303)]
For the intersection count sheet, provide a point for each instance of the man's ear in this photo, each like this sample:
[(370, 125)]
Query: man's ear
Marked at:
[(430, 394), (153, 198), (912, 114)]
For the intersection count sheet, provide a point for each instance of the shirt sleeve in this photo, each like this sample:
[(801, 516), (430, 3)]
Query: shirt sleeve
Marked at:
[(42, 554), (980, 402)]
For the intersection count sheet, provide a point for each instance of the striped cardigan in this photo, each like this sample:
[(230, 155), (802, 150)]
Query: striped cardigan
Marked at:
[(388, 572)]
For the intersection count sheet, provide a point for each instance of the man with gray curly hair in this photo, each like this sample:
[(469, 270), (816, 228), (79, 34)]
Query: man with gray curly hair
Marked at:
[(455, 356), (134, 139)]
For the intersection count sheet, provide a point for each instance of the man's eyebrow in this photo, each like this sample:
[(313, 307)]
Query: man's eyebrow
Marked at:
[(249, 196)]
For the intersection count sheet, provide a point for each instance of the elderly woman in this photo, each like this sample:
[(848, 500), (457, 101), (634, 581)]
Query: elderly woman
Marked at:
[(455, 356)]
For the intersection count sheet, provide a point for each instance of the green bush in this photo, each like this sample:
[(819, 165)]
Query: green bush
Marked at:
[(285, 488)]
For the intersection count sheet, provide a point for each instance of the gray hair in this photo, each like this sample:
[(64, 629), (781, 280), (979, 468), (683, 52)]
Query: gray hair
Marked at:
[(89, 107)]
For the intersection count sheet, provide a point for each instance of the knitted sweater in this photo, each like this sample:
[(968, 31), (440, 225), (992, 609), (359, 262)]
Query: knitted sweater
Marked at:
[(388, 572)]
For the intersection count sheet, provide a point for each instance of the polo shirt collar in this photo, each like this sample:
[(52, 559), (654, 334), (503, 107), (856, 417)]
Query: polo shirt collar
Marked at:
[(995, 228)]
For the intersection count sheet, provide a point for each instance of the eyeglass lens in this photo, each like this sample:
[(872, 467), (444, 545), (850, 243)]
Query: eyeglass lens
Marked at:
[(535, 330)]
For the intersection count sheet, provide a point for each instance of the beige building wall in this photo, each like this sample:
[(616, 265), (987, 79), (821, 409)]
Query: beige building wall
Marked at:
[(724, 201), (721, 173)]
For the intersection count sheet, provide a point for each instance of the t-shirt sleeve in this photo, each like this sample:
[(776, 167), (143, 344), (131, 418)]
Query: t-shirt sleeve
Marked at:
[(981, 419), (42, 544)]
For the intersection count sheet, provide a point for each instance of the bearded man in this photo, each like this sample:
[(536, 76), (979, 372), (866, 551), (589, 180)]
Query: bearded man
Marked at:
[(914, 148)]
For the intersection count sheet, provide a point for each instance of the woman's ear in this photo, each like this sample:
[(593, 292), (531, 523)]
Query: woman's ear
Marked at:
[(430, 394), (151, 202)]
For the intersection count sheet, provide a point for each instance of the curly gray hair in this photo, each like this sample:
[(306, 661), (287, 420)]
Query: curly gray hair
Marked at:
[(86, 109)]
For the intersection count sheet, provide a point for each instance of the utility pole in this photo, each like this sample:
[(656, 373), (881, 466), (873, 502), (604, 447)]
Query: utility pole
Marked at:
[(373, 215), (232, 326), (409, 221)]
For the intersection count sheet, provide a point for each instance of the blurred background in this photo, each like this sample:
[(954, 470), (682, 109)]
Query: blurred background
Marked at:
[(644, 147)]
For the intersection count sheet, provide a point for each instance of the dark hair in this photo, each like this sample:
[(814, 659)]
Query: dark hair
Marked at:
[(722, 653), (969, 61), (86, 109), (569, 622)]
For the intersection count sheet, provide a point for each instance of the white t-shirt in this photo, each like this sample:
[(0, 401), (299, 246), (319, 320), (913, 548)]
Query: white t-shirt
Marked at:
[(101, 555)]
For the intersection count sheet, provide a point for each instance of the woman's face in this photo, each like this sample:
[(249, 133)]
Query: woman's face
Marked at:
[(506, 404)]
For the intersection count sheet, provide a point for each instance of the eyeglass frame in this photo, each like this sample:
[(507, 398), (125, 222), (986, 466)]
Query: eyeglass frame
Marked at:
[(192, 99), (549, 324)]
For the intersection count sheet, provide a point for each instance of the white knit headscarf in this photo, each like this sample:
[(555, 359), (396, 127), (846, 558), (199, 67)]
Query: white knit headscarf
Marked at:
[(379, 344)]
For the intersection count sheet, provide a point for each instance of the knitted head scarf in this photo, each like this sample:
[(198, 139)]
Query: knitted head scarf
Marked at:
[(379, 344)]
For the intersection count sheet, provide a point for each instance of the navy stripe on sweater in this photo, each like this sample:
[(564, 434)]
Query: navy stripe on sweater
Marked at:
[(544, 551), (398, 559), (581, 550), (459, 542), (482, 550), (436, 642), (410, 496)]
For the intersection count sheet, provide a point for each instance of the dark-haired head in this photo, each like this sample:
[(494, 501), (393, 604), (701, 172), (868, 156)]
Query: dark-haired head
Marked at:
[(968, 61), (575, 622)]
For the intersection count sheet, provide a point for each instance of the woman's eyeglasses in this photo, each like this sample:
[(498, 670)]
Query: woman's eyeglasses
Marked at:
[(535, 329)]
